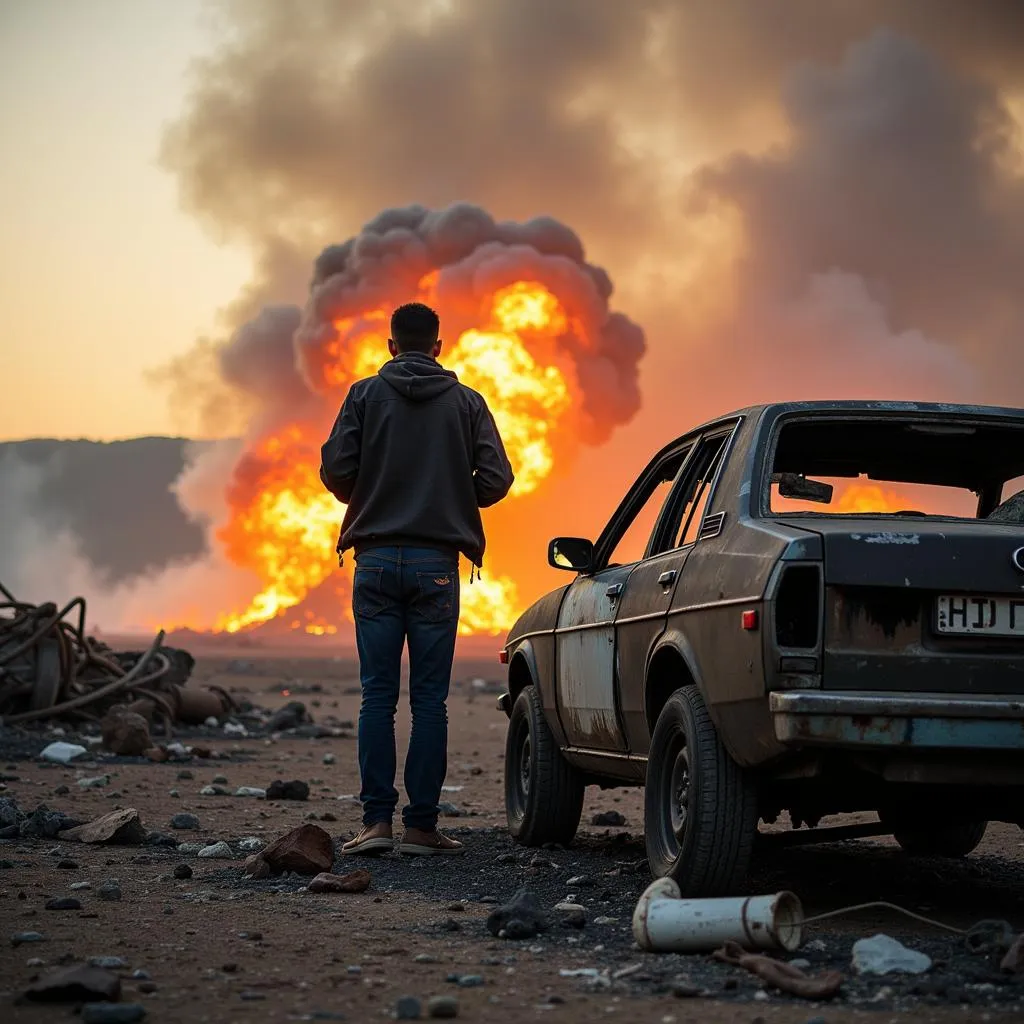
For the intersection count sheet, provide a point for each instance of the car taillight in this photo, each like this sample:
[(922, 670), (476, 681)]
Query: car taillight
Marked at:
[(798, 608), (503, 657)]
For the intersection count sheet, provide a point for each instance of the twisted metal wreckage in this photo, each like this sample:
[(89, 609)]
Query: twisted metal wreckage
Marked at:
[(50, 668)]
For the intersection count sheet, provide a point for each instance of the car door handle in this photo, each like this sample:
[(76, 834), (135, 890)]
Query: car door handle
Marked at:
[(614, 590), (667, 578)]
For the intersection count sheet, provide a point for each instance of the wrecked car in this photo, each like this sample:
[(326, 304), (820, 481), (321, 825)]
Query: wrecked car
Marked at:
[(810, 608)]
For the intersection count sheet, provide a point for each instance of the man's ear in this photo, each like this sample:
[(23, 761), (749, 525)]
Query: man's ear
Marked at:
[(392, 348), (437, 348)]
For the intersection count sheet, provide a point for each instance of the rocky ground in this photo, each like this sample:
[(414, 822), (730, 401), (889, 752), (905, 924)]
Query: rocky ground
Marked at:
[(192, 939)]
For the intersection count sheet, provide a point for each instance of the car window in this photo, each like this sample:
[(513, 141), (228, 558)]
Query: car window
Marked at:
[(697, 488), (633, 541)]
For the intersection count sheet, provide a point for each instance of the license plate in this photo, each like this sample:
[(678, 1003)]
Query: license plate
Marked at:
[(991, 616)]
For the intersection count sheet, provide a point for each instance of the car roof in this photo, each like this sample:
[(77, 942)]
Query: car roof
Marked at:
[(775, 409)]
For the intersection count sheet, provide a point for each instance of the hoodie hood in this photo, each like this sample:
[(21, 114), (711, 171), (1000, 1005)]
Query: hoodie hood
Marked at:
[(417, 376)]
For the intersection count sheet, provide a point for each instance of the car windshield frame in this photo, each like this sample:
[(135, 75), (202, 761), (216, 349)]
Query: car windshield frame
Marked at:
[(936, 424)]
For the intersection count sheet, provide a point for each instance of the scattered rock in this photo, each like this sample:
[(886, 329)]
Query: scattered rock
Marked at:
[(989, 936), (470, 980), (75, 984), (217, 851), (1013, 962), (608, 818), (682, 989), (253, 791), (408, 1008), (215, 791), (62, 753), (182, 871), (18, 938), (447, 810), (250, 844), (125, 732), (183, 821), (306, 850), (292, 715), (78, 886), (443, 1007), (43, 823), (157, 754), (95, 782), (112, 1013), (64, 903), (219, 780), (329, 759), (294, 790), (160, 839), (520, 918), (110, 891), (354, 881), (110, 963), (122, 827), (184, 775), (62, 790), (882, 954)]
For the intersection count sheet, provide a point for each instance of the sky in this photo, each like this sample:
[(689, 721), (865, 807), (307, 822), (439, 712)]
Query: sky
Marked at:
[(102, 276)]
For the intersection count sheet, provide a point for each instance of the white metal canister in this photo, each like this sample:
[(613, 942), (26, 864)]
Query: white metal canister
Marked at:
[(664, 923)]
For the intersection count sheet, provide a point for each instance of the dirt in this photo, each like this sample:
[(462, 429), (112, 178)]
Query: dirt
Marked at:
[(221, 947)]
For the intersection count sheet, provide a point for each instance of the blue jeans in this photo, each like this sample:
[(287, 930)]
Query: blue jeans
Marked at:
[(404, 593)]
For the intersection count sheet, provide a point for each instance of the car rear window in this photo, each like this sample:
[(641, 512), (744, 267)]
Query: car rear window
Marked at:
[(849, 466)]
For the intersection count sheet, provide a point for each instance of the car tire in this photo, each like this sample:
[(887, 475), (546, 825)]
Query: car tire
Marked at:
[(543, 792), (700, 807), (955, 840)]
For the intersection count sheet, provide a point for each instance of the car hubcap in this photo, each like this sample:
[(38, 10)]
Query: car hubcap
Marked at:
[(679, 794)]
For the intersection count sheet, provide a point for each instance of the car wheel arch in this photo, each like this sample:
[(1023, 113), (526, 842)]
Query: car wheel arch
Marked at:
[(670, 667), (522, 670)]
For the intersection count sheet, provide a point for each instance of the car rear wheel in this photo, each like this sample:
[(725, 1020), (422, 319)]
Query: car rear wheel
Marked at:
[(543, 792), (700, 807), (953, 840)]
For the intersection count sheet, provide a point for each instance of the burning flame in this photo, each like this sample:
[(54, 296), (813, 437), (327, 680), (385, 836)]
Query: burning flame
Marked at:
[(868, 498), (285, 526)]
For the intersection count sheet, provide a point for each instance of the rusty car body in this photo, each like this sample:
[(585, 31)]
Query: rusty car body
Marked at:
[(779, 639)]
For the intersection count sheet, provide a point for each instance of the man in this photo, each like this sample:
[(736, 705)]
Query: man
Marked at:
[(416, 455)]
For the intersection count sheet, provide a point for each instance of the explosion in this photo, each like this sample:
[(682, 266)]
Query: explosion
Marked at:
[(532, 334)]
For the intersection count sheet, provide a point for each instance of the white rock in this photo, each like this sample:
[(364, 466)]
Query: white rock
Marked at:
[(95, 782), (570, 906), (212, 722), (235, 729), (187, 849), (75, 886), (882, 954), (218, 851), (62, 753), (255, 791), (329, 759), (250, 844)]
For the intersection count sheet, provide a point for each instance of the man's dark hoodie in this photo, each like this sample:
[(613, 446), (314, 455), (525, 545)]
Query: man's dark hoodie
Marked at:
[(416, 455)]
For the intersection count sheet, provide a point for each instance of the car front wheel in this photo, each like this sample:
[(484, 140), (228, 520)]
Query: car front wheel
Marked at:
[(543, 792), (700, 807)]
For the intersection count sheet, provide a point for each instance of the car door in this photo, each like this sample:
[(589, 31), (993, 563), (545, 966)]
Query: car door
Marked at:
[(643, 611), (585, 635)]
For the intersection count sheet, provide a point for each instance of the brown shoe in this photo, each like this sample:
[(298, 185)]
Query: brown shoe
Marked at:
[(372, 839), (418, 842)]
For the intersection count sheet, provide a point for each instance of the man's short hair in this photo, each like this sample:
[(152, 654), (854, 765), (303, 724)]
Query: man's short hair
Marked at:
[(414, 328)]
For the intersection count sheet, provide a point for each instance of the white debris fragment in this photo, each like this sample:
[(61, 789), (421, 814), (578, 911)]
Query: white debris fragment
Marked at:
[(219, 851), (882, 954), (62, 753), (235, 729), (95, 782), (254, 791)]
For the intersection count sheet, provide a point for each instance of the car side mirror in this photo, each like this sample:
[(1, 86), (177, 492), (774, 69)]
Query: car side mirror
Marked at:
[(573, 553), (795, 485)]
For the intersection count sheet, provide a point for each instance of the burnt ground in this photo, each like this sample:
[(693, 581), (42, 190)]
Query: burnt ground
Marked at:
[(219, 947)]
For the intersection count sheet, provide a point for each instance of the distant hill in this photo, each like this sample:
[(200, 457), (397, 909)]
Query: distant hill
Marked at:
[(115, 496)]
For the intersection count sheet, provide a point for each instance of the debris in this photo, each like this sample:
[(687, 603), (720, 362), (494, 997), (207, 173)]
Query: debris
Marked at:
[(110, 891), (781, 975), (43, 823), (882, 954), (62, 753), (443, 1007), (612, 818), (1014, 960), (96, 782), (292, 715), (294, 790), (122, 827), (250, 844), (18, 938), (354, 881), (215, 791), (112, 1013), (64, 903), (407, 1008), (75, 984), (182, 871), (185, 822), (989, 936), (110, 963), (306, 850), (217, 851), (125, 732), (520, 918), (253, 791), (329, 759)]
